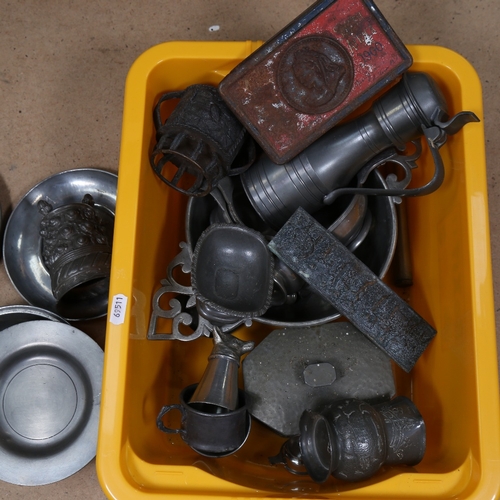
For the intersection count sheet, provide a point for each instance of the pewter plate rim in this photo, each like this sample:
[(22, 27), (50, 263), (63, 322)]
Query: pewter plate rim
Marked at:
[(24, 266), (71, 347), (22, 313)]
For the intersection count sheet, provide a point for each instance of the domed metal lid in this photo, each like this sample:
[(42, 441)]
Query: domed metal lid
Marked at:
[(425, 96)]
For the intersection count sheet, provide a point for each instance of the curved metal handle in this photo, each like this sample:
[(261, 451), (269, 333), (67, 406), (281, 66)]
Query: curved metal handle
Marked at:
[(291, 463), (453, 125), (251, 152), (163, 98), (163, 412), (435, 139), (161, 156), (164, 151)]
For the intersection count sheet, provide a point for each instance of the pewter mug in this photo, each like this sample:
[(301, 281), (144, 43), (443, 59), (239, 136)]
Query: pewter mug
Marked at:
[(209, 430), (202, 139)]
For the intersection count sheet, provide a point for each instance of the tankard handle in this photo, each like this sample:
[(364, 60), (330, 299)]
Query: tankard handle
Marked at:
[(157, 110), (163, 412), (435, 136)]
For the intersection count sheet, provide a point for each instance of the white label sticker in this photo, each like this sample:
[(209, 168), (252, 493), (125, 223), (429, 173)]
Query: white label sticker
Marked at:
[(118, 309)]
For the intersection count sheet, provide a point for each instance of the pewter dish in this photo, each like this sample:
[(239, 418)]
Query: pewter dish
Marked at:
[(50, 391), (374, 246), (13, 315), (21, 248)]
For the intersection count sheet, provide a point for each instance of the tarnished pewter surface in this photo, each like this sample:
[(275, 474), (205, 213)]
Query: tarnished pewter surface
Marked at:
[(375, 250), (405, 429), (206, 430), (352, 439), (233, 270), (182, 309), (13, 315), (218, 386), (295, 369), (21, 246), (76, 248), (50, 395), (363, 438), (341, 278), (327, 62), (201, 138)]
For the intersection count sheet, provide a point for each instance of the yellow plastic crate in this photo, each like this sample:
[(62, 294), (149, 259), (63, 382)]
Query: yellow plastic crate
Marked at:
[(454, 384)]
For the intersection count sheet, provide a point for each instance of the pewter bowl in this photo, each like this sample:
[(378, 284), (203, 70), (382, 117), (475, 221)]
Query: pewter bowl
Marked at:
[(233, 268), (376, 250), (22, 242)]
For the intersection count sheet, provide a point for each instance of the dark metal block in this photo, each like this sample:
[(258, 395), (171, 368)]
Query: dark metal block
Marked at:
[(342, 279)]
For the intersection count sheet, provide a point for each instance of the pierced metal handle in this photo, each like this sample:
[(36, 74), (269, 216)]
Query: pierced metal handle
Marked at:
[(163, 412)]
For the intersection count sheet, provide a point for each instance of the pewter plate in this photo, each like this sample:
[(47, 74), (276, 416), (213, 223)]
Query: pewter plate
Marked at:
[(21, 248), (13, 315), (50, 391)]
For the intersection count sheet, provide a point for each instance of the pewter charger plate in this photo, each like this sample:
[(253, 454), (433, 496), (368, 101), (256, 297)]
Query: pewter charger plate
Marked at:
[(13, 315), (21, 248), (50, 392)]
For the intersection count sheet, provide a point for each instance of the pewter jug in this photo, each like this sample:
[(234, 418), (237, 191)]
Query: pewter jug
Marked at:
[(401, 115)]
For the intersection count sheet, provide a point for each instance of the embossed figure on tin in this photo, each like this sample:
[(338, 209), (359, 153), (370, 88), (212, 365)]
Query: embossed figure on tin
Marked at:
[(312, 74), (75, 246), (315, 74)]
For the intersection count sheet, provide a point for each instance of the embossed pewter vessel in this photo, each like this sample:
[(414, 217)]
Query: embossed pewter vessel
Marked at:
[(352, 439), (199, 143), (75, 249)]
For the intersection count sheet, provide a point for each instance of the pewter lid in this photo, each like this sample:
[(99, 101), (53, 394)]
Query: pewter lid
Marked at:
[(425, 96)]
